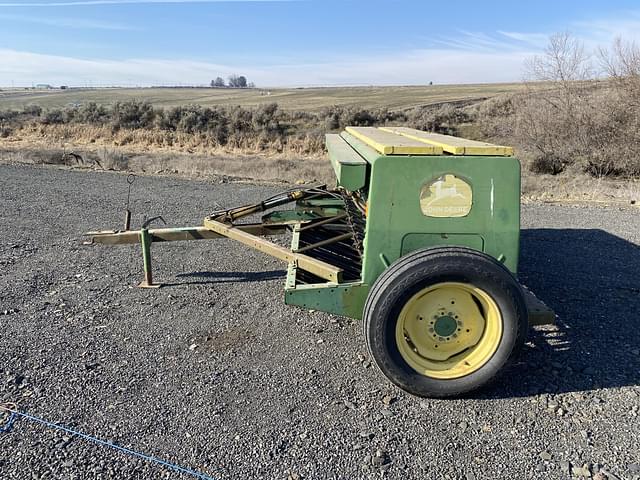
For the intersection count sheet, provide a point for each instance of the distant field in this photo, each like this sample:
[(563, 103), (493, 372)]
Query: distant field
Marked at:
[(306, 99)]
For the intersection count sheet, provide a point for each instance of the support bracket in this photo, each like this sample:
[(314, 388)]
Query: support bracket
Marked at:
[(145, 242)]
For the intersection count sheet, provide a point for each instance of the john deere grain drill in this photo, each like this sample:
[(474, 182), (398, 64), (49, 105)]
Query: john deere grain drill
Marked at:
[(419, 239)]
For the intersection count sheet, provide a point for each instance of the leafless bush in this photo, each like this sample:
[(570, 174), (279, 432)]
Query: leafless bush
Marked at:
[(568, 119), (556, 121), (622, 63), (5, 130), (563, 62), (438, 118), (110, 159), (490, 116)]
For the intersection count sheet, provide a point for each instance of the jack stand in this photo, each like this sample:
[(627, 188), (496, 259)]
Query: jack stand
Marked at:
[(145, 241)]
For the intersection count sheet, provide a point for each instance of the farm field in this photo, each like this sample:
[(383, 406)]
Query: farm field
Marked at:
[(300, 99)]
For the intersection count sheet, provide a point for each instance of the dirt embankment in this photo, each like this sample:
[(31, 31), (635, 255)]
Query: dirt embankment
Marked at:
[(568, 187), (191, 160)]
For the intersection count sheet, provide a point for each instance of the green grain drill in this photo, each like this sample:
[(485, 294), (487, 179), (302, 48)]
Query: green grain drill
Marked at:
[(419, 239)]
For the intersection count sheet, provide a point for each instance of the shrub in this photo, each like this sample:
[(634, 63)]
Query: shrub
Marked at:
[(332, 118), (240, 121), (92, 113), (337, 117), (265, 119), (5, 131), (550, 164), (32, 110), (53, 117), (132, 114), (168, 119), (112, 160), (360, 118), (7, 115)]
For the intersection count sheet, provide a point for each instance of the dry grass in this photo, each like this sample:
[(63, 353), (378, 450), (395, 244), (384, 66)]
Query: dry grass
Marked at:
[(154, 140), (262, 168), (579, 188)]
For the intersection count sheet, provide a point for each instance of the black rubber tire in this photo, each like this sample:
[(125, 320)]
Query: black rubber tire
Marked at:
[(418, 270)]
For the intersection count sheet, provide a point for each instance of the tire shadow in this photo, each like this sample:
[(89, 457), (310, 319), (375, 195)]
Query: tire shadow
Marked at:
[(591, 279)]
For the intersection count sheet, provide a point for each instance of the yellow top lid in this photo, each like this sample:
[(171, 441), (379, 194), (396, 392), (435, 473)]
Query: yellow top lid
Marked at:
[(450, 144), (390, 143)]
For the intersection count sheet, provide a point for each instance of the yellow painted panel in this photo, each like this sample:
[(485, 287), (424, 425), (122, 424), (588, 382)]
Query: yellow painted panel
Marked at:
[(450, 144), (390, 143), (384, 149)]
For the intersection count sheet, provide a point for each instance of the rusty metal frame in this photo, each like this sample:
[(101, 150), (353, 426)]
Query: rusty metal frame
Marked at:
[(317, 267), (113, 237), (145, 237), (220, 225)]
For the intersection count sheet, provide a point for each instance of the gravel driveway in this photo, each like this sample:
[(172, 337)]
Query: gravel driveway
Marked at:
[(213, 372)]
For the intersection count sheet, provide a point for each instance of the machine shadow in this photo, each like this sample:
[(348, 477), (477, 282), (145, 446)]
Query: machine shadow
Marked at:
[(590, 279), (204, 278)]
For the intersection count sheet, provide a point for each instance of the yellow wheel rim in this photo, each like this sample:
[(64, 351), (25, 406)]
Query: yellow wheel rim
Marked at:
[(449, 330)]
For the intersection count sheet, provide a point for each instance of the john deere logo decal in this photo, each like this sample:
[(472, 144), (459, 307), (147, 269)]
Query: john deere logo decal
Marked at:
[(446, 196)]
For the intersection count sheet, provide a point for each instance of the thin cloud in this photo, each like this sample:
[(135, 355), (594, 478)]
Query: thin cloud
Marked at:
[(533, 39), (485, 42), (79, 23), (592, 33), (123, 2), (604, 30)]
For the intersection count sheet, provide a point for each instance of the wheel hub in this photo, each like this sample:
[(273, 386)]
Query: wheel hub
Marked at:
[(448, 330), (445, 326)]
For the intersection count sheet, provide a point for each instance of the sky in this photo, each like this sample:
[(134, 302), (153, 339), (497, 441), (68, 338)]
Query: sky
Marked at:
[(292, 43)]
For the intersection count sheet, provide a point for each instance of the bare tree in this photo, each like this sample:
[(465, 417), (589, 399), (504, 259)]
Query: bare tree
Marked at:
[(564, 61), (621, 63), (574, 116), (566, 68), (554, 117), (622, 60)]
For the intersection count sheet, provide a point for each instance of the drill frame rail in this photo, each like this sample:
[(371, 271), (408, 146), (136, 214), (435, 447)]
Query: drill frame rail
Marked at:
[(220, 224)]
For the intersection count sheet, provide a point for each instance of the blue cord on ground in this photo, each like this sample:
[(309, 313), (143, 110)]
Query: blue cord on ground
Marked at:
[(14, 415), (6, 428)]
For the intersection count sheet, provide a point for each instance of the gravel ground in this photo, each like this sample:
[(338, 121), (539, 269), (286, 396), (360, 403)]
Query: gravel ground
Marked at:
[(214, 372)]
